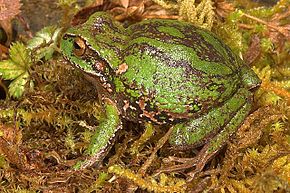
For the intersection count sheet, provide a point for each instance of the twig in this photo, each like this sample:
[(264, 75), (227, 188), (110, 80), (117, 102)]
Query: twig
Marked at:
[(160, 143), (279, 29)]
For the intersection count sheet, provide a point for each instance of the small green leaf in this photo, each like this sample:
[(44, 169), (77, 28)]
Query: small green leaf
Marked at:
[(19, 54), (45, 42), (16, 88), (9, 70), (16, 68), (18, 63)]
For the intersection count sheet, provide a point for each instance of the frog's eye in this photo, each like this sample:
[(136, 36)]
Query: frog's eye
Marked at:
[(79, 47)]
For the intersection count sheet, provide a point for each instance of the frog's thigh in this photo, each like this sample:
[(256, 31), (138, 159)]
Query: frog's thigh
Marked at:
[(103, 137), (220, 139), (223, 120)]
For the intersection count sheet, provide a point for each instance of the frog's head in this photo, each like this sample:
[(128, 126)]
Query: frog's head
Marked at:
[(94, 46)]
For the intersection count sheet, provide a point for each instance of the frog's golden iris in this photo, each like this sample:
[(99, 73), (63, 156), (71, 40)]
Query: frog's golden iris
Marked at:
[(79, 46)]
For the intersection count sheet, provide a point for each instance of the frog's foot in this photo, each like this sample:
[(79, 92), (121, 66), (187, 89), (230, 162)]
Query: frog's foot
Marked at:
[(186, 163), (212, 129), (103, 138)]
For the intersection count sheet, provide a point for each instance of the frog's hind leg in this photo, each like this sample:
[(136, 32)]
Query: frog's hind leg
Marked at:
[(215, 144), (206, 130)]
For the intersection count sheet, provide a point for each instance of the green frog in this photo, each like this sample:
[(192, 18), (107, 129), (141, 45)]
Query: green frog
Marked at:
[(161, 72)]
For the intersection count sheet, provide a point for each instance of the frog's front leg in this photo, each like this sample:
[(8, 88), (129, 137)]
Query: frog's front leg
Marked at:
[(103, 137), (212, 129)]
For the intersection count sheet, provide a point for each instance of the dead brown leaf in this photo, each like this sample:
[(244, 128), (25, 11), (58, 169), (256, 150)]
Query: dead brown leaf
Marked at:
[(281, 33), (9, 146), (277, 30), (9, 9), (253, 51), (223, 8)]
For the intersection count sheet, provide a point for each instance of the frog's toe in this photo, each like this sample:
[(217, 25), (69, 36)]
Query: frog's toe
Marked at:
[(197, 163)]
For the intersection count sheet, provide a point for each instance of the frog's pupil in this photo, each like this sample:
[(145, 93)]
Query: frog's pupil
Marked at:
[(76, 46)]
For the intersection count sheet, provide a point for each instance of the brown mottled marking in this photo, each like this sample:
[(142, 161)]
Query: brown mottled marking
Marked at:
[(99, 66), (108, 87), (126, 105), (122, 68), (150, 115)]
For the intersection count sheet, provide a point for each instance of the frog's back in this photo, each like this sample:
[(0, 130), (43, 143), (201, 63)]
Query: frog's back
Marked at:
[(177, 70), (183, 36)]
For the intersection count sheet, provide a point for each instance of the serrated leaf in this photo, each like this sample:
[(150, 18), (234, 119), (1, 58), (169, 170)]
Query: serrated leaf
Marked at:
[(18, 63), (16, 88), (41, 37), (19, 54), (16, 68), (9, 70), (45, 42)]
